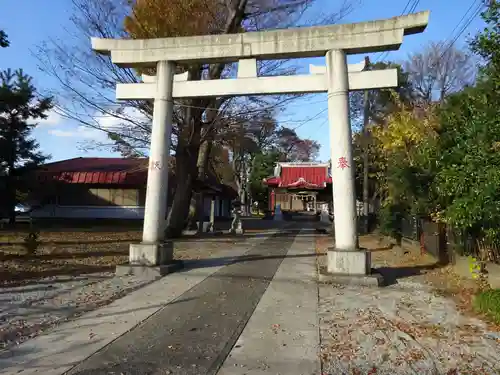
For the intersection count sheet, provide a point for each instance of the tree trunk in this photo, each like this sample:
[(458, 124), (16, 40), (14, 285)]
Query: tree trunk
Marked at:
[(203, 159), (242, 191), (186, 156), (11, 197), (366, 202), (197, 208), (189, 142), (180, 206)]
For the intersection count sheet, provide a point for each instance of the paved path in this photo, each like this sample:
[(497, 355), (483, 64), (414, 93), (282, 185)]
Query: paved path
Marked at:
[(57, 351), (190, 321), (194, 333), (29, 310), (282, 336)]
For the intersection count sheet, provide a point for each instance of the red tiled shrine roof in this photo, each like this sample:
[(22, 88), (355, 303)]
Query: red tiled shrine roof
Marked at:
[(119, 171), (96, 171), (301, 176)]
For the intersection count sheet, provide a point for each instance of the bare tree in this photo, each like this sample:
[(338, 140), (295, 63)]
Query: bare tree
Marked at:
[(260, 135), (440, 69), (87, 81)]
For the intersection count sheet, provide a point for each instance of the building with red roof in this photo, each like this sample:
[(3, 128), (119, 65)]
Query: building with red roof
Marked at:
[(295, 186), (109, 188)]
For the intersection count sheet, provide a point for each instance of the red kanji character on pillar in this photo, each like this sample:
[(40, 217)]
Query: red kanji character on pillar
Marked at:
[(343, 164), (155, 165)]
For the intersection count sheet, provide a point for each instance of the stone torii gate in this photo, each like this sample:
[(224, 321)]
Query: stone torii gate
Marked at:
[(337, 78)]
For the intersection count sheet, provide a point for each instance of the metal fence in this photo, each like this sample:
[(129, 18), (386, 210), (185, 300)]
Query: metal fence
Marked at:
[(438, 239), (411, 228), (434, 241)]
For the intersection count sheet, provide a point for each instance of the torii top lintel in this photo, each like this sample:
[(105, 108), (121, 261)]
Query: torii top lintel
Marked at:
[(354, 38)]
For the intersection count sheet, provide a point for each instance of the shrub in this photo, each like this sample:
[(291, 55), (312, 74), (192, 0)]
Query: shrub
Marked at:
[(488, 302)]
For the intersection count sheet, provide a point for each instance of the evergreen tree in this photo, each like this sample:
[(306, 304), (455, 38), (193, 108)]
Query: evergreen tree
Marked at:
[(487, 45), (263, 167), (19, 106), (4, 41)]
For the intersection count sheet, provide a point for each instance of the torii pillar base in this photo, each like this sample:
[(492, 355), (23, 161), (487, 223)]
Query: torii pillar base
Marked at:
[(150, 260), (350, 267)]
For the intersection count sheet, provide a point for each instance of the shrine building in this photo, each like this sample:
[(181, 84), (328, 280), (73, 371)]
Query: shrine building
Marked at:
[(300, 186)]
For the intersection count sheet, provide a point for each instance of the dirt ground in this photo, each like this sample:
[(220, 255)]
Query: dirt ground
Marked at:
[(82, 251), (410, 264)]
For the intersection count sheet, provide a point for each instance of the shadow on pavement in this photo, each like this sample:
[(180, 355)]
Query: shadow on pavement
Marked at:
[(225, 261), (393, 274)]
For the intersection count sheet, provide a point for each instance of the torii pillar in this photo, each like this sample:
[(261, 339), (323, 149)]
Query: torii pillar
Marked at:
[(154, 250), (345, 257)]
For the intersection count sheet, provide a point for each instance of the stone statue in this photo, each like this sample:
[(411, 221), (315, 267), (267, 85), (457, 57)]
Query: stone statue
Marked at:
[(236, 224), (278, 214)]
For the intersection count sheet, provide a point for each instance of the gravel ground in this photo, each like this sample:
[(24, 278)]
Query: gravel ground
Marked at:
[(27, 311), (405, 328), (402, 329)]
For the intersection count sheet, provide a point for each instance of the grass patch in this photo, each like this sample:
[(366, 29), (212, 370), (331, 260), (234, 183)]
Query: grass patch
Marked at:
[(488, 302)]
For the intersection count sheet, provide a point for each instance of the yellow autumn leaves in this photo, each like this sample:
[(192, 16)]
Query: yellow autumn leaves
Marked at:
[(174, 18), (405, 129)]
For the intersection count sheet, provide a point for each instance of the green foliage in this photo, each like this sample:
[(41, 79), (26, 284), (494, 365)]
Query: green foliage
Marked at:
[(384, 102), (19, 106), (390, 219), (377, 166), (443, 161), (488, 302), (263, 166), (468, 182), (381, 102), (475, 267), (487, 45), (407, 144), (4, 41)]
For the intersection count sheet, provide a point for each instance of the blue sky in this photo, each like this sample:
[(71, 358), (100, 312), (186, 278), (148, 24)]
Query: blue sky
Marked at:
[(29, 23)]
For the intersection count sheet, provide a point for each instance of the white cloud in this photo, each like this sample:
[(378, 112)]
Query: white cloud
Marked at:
[(106, 122), (61, 133), (110, 122), (81, 132), (52, 119)]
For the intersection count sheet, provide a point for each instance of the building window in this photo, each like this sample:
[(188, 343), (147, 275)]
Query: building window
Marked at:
[(130, 197), (98, 196), (115, 197)]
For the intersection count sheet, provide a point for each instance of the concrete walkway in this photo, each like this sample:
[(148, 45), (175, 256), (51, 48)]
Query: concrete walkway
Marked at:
[(282, 336), (188, 322)]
